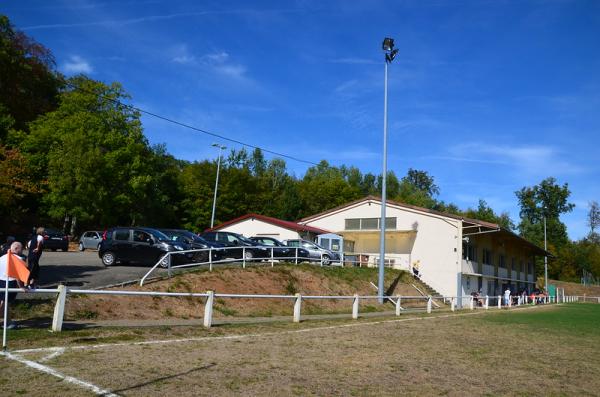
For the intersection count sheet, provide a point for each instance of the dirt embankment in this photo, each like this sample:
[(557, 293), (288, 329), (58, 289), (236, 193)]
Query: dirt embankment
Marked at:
[(282, 279)]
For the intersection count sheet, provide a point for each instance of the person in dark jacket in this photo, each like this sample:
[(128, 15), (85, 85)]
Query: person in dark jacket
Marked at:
[(36, 247)]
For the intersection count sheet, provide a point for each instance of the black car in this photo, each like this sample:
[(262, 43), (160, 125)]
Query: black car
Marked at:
[(54, 240), (139, 245), (280, 250), (237, 245), (195, 242)]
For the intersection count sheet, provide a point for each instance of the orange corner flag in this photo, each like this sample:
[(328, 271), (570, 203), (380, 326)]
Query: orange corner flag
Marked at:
[(16, 268)]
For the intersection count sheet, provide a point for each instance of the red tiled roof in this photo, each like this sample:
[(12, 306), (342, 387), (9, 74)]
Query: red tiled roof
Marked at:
[(274, 221)]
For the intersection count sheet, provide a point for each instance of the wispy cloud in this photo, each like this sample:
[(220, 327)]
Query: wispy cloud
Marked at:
[(151, 18), (77, 64), (528, 159), (217, 62)]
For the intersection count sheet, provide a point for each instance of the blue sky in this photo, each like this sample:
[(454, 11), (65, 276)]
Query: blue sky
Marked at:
[(488, 95)]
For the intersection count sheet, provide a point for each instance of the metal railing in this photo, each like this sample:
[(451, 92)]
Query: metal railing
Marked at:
[(243, 255)]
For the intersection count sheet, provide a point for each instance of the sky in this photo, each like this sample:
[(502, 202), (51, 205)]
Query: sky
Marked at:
[(488, 96)]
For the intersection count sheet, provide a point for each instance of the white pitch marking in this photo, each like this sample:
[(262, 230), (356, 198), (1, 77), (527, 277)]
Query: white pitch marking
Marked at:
[(229, 337), (53, 372)]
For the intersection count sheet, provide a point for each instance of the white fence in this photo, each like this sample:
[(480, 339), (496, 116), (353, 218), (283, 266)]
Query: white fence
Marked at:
[(465, 302)]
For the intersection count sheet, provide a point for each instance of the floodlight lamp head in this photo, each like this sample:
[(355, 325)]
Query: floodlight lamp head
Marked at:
[(388, 44), (390, 56)]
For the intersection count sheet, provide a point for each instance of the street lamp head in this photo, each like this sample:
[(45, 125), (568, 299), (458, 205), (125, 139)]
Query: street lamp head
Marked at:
[(388, 44), (219, 146), (388, 47)]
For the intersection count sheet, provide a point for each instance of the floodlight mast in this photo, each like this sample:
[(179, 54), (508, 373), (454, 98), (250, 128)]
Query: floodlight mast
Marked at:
[(212, 218), (390, 54)]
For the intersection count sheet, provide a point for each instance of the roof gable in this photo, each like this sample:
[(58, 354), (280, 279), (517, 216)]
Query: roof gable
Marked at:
[(274, 221)]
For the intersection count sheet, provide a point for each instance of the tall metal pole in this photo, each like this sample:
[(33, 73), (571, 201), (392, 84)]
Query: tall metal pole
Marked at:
[(545, 258), (383, 191), (212, 218)]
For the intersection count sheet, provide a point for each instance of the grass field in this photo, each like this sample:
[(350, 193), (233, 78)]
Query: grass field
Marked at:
[(532, 351)]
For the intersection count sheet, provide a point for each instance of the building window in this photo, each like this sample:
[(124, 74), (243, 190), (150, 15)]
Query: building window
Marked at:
[(501, 262), (530, 268), (352, 224), (487, 257), (369, 223)]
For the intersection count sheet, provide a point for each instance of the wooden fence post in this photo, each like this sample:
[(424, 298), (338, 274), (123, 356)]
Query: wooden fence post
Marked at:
[(208, 309), (355, 307), (59, 309), (297, 308)]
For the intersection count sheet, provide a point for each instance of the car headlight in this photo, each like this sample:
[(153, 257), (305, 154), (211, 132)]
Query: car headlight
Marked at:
[(178, 247)]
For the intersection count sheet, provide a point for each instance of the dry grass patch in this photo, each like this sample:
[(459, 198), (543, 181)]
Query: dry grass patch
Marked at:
[(513, 352)]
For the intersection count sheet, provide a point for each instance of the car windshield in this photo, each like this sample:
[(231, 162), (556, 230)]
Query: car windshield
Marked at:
[(245, 239), (158, 235)]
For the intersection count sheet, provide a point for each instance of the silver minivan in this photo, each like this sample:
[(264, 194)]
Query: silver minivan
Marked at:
[(90, 240)]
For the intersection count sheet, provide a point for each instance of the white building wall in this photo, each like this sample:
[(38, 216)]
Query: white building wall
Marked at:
[(437, 244), (255, 227)]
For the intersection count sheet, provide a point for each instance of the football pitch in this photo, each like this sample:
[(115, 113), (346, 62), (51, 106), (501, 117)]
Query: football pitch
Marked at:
[(543, 350)]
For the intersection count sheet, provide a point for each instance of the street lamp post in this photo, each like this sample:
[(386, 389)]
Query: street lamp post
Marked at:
[(390, 54), (212, 218), (545, 258)]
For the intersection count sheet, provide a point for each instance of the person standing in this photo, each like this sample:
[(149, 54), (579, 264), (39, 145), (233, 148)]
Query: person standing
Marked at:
[(16, 248), (36, 247), (507, 297)]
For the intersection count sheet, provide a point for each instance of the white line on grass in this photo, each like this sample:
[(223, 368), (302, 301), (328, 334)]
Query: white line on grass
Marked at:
[(53, 372), (229, 337)]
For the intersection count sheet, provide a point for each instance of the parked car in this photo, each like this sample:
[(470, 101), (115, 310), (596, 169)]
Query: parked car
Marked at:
[(54, 240), (316, 252), (280, 250), (139, 245), (245, 246), (195, 242), (90, 240)]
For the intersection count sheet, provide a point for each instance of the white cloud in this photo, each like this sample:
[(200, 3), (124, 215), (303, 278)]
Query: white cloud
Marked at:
[(77, 64), (528, 159)]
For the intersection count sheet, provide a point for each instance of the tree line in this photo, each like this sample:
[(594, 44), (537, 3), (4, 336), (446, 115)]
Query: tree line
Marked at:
[(73, 155)]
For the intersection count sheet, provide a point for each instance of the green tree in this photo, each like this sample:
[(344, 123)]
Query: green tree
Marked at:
[(29, 83), (549, 200), (485, 213), (92, 152)]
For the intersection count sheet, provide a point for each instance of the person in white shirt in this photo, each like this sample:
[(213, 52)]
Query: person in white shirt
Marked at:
[(507, 297), (16, 248)]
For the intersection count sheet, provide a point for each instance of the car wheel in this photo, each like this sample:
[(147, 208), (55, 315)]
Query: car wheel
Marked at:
[(81, 247), (108, 258), (201, 257), (249, 255), (165, 262), (326, 260)]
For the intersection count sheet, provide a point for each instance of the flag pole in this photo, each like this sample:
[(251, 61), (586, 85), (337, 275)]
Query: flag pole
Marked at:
[(5, 308)]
